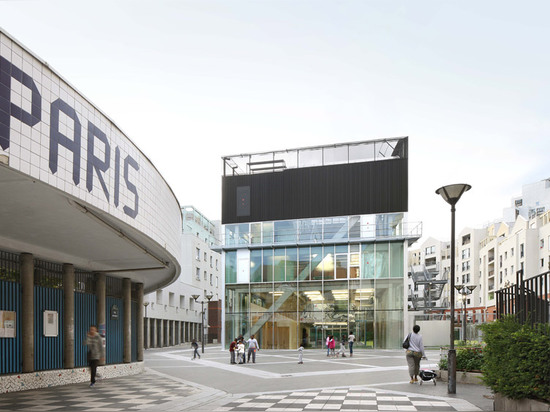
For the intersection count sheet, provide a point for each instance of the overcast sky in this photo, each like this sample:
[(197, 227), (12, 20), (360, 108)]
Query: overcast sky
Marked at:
[(191, 81)]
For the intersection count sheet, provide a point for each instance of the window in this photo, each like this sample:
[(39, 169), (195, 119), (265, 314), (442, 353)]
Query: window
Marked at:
[(505, 255), (500, 277), (542, 263), (211, 283), (512, 270), (430, 250), (500, 261), (211, 261), (205, 275), (465, 266), (182, 301), (198, 254), (512, 252), (159, 297), (217, 281), (171, 299), (541, 243), (216, 264), (521, 250), (465, 239), (466, 253), (197, 273)]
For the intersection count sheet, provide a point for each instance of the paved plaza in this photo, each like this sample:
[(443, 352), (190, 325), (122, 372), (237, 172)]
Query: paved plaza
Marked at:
[(372, 380)]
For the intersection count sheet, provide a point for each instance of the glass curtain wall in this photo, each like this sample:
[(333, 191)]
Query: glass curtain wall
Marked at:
[(299, 295)]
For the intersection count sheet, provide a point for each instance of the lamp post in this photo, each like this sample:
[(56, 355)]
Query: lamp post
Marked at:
[(202, 302), (451, 194), (464, 290)]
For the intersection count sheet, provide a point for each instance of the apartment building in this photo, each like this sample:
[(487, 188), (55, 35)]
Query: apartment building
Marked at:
[(172, 315)]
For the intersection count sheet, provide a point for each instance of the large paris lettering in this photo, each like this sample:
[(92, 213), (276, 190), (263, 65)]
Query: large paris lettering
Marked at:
[(96, 166), (8, 109)]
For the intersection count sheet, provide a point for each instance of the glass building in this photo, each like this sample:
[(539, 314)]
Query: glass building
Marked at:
[(295, 281)]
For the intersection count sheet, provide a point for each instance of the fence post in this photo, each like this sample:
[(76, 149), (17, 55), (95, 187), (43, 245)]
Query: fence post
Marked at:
[(68, 316), (27, 311)]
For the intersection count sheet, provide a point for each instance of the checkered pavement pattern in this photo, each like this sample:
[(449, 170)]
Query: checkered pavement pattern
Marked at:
[(336, 400), (119, 394)]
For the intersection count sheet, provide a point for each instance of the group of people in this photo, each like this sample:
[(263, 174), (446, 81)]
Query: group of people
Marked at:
[(238, 349), (331, 345)]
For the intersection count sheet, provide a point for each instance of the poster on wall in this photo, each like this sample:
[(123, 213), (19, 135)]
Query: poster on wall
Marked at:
[(7, 324), (51, 322)]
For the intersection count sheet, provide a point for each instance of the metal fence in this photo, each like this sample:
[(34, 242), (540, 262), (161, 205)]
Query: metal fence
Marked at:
[(528, 300)]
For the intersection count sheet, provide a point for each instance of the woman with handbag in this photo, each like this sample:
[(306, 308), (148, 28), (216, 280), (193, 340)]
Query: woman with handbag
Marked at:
[(415, 351)]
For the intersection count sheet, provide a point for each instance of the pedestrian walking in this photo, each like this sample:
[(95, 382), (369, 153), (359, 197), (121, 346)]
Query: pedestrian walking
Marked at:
[(342, 350), (332, 346), (232, 347), (195, 347), (96, 352), (301, 355), (415, 352), (328, 346), (240, 352), (253, 346), (351, 340)]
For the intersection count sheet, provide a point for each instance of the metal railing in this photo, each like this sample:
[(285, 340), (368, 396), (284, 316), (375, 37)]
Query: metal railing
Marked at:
[(528, 300)]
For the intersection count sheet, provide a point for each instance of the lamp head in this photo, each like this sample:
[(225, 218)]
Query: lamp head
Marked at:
[(471, 288), (452, 193), (209, 296), (459, 287), (195, 297)]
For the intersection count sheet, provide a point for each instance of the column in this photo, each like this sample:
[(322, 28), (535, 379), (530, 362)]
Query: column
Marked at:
[(154, 332), (68, 316), (139, 322), (127, 326), (100, 305), (27, 311), (161, 333)]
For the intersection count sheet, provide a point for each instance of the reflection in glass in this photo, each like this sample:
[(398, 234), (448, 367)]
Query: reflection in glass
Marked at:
[(367, 261), (382, 260), (389, 294), (311, 230), (362, 324), (255, 233), (335, 228), (267, 236), (328, 262), (285, 328), (354, 227), (255, 266), (285, 297), (389, 329), (279, 265), (285, 231), (235, 325), (291, 263), (335, 155), (231, 267), (261, 298), (336, 296), (354, 265), (304, 267), (310, 297), (316, 259), (242, 230), (267, 266), (396, 260), (237, 299)]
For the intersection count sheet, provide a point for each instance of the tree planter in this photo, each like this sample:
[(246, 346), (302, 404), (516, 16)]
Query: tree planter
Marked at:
[(473, 378), (502, 403)]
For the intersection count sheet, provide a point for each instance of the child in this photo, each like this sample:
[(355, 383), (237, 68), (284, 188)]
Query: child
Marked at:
[(342, 350), (300, 354), (240, 352)]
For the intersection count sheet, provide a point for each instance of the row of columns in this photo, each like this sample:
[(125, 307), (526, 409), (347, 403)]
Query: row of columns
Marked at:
[(176, 331), (27, 315)]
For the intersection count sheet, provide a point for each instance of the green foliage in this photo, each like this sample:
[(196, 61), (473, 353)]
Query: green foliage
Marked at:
[(517, 359), (468, 359)]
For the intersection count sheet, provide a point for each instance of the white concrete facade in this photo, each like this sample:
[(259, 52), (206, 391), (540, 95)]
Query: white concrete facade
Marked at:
[(172, 315)]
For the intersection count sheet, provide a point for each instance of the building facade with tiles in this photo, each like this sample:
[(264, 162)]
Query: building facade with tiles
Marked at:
[(315, 243), (88, 224)]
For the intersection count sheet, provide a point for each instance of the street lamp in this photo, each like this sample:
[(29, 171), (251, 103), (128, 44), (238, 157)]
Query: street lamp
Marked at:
[(451, 194), (464, 290), (202, 302)]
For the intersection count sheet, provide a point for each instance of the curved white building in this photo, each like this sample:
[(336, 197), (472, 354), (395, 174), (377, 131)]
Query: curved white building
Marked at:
[(83, 212)]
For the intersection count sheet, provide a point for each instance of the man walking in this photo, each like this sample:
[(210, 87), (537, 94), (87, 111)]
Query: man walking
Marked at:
[(252, 347), (232, 348), (96, 351)]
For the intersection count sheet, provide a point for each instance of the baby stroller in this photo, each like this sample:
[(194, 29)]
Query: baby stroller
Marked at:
[(427, 375)]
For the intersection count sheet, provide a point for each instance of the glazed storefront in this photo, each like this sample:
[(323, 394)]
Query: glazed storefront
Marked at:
[(299, 294)]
